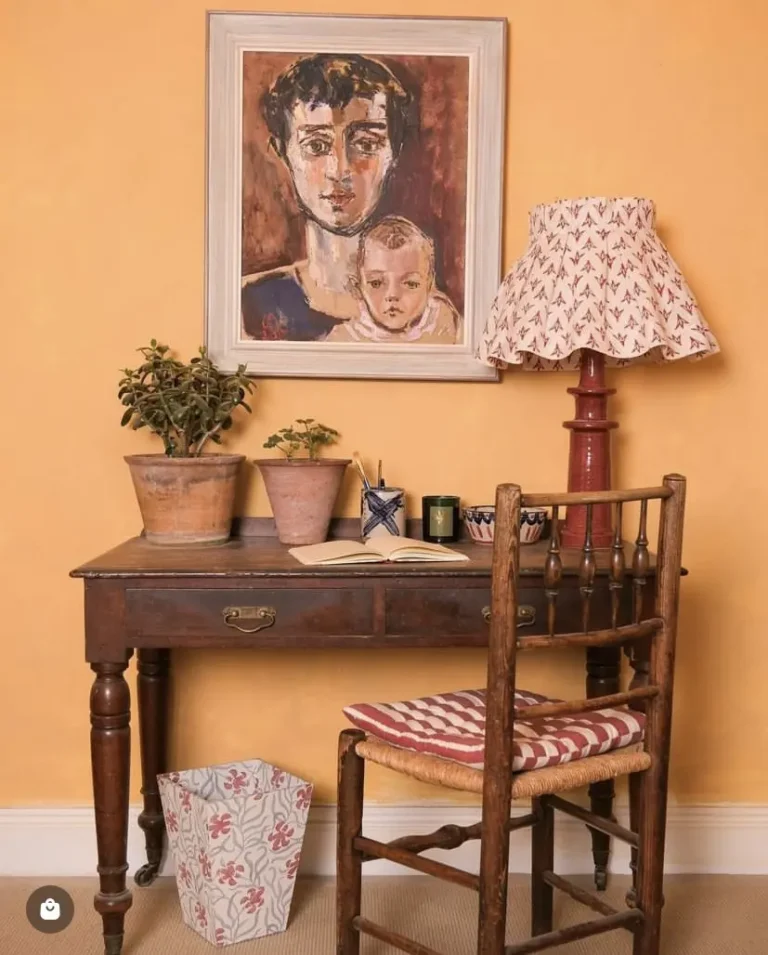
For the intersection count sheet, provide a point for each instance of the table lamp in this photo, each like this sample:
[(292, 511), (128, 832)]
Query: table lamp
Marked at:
[(595, 286)]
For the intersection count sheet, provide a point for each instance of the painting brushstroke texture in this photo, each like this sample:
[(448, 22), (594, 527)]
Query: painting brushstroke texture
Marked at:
[(353, 200)]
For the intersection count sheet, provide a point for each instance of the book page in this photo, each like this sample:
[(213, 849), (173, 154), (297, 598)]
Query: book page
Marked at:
[(408, 548), (336, 552)]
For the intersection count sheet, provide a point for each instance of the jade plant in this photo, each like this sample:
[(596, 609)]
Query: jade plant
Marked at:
[(305, 435), (187, 404)]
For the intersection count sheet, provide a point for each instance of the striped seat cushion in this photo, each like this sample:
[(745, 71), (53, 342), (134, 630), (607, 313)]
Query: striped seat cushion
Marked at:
[(452, 725)]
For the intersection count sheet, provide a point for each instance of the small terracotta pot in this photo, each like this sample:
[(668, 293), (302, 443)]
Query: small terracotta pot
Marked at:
[(185, 500), (302, 494)]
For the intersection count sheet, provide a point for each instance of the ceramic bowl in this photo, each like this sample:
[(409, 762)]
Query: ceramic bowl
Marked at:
[(481, 520), (532, 520)]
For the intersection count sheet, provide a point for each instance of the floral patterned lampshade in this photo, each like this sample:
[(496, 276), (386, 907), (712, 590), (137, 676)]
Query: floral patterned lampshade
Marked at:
[(595, 287), (595, 275)]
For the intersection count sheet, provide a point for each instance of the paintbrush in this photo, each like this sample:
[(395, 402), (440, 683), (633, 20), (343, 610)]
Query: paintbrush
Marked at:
[(361, 470)]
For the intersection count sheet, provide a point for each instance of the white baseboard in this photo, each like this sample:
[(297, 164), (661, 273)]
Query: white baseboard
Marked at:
[(723, 838)]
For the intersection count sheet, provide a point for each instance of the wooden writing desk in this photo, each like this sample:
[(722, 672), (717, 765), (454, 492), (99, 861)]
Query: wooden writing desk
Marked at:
[(153, 599)]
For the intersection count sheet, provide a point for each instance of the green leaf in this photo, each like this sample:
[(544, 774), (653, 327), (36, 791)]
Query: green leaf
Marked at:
[(181, 402)]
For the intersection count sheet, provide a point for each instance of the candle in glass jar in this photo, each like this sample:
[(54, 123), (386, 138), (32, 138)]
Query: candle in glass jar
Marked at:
[(440, 518)]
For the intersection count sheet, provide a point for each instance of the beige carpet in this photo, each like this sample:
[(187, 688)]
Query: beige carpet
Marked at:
[(722, 915)]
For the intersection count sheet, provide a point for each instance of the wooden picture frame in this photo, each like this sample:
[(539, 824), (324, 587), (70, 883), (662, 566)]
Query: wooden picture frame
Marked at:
[(354, 193)]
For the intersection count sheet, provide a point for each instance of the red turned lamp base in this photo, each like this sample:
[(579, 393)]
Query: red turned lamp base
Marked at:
[(589, 462)]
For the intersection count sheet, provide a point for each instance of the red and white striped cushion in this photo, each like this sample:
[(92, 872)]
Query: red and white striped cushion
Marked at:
[(452, 725)]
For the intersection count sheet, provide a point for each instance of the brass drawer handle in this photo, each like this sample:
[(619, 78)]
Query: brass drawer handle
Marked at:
[(526, 615), (265, 615)]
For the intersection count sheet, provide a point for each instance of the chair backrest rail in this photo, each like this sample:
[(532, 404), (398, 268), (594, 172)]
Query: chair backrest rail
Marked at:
[(583, 706), (587, 567), (595, 638), (596, 497)]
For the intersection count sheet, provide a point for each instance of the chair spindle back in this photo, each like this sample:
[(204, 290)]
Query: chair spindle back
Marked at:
[(648, 620)]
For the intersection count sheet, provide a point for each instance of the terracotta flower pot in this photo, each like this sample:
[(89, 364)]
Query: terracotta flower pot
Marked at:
[(302, 494), (185, 500)]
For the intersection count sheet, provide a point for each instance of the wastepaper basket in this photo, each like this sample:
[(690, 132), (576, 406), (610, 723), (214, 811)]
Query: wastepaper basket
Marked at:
[(235, 832)]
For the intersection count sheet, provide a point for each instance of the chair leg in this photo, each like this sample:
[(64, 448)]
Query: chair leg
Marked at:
[(349, 862), (494, 868), (652, 810), (542, 860), (635, 815)]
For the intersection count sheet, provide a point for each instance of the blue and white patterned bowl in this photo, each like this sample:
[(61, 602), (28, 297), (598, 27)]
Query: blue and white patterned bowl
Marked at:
[(480, 522)]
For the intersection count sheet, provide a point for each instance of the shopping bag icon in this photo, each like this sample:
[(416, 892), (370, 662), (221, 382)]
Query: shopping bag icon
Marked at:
[(50, 910)]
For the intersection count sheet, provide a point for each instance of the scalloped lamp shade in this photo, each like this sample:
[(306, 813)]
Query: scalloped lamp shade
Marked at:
[(596, 285)]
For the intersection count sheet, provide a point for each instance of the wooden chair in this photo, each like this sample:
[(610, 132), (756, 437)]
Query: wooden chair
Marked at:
[(646, 765)]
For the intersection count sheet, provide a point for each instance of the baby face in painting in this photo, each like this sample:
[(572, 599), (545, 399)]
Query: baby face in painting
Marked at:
[(339, 159), (396, 267)]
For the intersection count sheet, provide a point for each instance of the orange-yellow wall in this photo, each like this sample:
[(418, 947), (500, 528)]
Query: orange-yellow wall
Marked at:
[(101, 248)]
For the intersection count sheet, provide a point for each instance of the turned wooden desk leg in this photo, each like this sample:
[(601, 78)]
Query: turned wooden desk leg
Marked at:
[(110, 761), (603, 666), (152, 683)]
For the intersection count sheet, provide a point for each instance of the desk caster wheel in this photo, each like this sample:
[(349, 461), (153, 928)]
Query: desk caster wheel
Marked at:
[(146, 875)]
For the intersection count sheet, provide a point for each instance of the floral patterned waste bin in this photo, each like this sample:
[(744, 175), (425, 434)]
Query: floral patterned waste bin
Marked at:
[(235, 833)]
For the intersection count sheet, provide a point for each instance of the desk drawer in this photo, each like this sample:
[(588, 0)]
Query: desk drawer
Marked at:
[(295, 612), (416, 611), (459, 611)]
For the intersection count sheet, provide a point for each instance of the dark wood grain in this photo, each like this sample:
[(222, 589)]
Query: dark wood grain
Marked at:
[(372, 849), (577, 893), (152, 685), (419, 610), (632, 620), (349, 859), (597, 638), (618, 566), (499, 725), (587, 567), (610, 923), (110, 751), (549, 499), (641, 561), (151, 598), (553, 571), (542, 861), (254, 557), (446, 837), (199, 613), (658, 733), (593, 820), (569, 707), (393, 938)]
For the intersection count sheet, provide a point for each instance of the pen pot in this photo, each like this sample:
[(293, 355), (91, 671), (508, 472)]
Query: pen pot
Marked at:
[(382, 512)]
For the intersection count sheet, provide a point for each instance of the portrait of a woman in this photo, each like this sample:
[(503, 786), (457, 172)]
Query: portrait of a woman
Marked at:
[(353, 198)]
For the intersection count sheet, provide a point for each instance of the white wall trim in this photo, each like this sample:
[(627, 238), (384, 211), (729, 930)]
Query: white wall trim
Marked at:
[(722, 838)]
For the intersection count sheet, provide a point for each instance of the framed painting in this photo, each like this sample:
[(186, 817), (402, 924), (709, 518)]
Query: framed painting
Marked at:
[(354, 193)]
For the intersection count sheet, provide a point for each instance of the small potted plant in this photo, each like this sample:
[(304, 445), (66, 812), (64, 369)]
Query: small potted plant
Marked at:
[(185, 496), (302, 488)]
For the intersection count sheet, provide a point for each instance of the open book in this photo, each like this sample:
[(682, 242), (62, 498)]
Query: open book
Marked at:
[(374, 551)]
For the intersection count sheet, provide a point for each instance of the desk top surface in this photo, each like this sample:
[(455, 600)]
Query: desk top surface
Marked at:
[(261, 556)]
